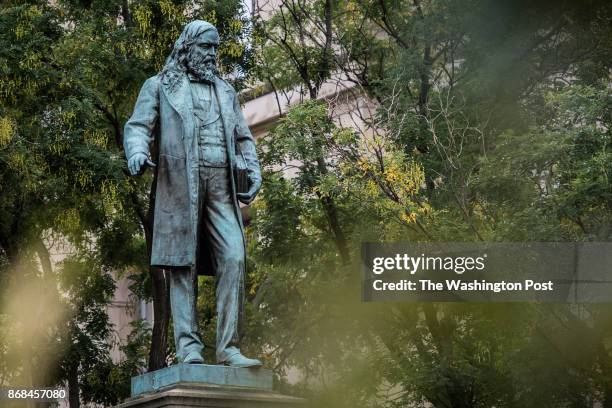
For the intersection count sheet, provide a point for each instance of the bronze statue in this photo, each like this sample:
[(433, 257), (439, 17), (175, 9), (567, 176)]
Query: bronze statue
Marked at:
[(207, 163)]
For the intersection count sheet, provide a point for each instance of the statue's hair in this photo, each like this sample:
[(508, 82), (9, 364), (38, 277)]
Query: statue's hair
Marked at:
[(176, 63)]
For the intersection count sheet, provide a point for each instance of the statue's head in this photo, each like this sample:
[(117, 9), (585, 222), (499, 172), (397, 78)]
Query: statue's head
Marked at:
[(195, 51)]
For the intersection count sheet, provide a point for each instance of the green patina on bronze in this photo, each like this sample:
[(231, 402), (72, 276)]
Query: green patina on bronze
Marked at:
[(195, 118)]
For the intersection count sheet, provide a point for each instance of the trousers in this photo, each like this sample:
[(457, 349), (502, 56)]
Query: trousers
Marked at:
[(223, 234)]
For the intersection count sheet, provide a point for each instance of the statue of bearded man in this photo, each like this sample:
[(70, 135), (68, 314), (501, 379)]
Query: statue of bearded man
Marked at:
[(194, 118)]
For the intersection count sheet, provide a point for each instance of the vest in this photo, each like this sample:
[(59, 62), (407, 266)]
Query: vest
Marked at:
[(211, 138)]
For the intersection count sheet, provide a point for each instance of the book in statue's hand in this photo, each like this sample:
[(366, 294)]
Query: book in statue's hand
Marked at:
[(241, 174)]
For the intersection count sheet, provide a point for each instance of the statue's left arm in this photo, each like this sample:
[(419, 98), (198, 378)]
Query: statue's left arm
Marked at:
[(246, 144)]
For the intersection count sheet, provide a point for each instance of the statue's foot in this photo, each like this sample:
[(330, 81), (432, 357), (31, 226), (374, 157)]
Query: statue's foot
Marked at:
[(193, 358), (238, 360)]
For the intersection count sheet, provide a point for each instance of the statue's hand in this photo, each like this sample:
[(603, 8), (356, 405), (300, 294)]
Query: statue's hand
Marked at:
[(136, 163), (249, 196)]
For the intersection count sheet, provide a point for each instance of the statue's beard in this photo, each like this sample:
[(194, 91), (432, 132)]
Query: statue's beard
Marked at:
[(202, 68)]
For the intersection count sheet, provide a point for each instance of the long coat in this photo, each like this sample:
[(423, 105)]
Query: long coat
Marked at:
[(164, 110)]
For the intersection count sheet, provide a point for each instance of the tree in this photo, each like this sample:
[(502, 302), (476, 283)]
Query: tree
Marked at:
[(499, 110), (71, 72)]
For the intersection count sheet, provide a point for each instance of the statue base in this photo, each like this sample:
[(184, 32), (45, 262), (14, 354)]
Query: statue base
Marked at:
[(201, 385)]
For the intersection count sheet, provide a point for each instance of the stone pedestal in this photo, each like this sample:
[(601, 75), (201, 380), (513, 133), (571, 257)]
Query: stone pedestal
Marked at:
[(201, 385)]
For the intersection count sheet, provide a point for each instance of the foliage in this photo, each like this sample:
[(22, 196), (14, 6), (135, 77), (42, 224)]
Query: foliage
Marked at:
[(482, 121), (491, 122), (71, 71)]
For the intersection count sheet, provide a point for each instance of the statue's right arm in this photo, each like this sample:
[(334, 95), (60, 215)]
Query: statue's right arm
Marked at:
[(138, 131)]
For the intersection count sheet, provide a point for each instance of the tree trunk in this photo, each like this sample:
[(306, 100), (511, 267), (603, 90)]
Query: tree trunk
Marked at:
[(332, 215), (160, 289), (74, 400), (161, 319)]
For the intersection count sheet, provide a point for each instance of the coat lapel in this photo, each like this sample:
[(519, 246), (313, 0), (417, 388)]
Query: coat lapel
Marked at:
[(178, 93), (226, 102)]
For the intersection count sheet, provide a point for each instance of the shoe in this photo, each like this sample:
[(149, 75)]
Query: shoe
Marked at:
[(193, 358), (238, 360)]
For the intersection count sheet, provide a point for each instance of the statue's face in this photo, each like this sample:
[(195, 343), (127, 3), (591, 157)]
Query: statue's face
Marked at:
[(202, 58), (206, 46)]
